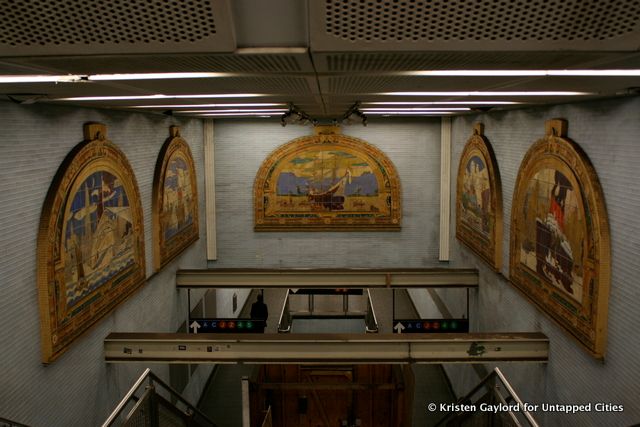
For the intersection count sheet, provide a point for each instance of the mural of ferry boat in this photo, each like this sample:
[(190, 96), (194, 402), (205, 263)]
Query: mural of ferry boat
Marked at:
[(554, 258)]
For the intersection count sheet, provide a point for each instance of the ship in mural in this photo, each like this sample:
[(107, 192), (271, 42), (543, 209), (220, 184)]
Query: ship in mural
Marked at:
[(98, 236), (178, 199), (554, 233), (327, 181)]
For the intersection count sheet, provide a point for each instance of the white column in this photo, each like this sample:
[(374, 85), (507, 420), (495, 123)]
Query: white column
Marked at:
[(445, 186), (210, 189)]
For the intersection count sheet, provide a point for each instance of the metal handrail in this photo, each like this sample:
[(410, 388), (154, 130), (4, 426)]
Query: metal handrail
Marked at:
[(267, 421), (153, 379), (9, 423), (285, 315), (496, 373), (370, 317)]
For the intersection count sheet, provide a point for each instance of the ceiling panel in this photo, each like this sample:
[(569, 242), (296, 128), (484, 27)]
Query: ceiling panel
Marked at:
[(257, 63), (374, 62), (76, 27), (338, 25), (322, 55)]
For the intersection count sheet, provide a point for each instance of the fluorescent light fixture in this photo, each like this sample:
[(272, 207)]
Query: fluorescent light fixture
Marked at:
[(524, 73), (409, 113), (410, 109), (41, 79), (442, 103), (244, 104), (155, 76), (159, 96), (234, 110), (271, 50), (234, 114), (492, 93)]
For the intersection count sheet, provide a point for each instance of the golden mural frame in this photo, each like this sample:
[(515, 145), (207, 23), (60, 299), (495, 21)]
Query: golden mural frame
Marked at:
[(264, 188), (164, 250), (490, 250), (60, 328), (586, 320)]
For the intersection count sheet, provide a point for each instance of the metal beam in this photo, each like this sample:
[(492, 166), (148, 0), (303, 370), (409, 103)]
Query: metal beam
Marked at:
[(314, 278), (325, 348)]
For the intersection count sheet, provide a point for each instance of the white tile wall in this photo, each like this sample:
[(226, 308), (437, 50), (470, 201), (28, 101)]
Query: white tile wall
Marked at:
[(79, 389)]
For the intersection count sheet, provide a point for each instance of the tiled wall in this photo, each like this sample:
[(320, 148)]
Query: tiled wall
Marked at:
[(78, 389), (608, 131), (413, 146)]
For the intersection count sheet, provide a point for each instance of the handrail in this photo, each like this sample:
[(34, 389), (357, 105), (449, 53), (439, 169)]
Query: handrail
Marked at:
[(285, 315), (496, 373), (268, 420), (370, 317), (8, 423), (515, 397), (153, 379)]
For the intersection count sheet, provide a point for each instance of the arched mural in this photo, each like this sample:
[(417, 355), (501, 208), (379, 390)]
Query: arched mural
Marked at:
[(175, 200), (479, 199), (90, 242), (560, 248), (327, 181)]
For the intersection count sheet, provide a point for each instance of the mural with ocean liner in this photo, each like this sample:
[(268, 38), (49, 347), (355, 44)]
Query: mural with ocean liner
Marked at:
[(560, 253), (327, 181), (175, 200), (90, 244), (479, 199)]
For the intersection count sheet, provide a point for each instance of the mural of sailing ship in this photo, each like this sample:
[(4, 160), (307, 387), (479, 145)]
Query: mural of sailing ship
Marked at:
[(98, 235), (178, 198), (476, 197), (554, 231), (328, 181)]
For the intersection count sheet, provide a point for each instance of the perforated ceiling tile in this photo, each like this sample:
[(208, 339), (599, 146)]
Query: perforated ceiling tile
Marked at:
[(30, 24), (480, 20), (400, 61), (171, 63), (339, 25)]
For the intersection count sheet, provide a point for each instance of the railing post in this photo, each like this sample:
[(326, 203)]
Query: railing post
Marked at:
[(154, 413), (246, 403)]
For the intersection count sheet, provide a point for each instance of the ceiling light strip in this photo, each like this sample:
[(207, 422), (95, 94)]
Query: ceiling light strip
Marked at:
[(231, 114), (41, 79), (370, 110), (442, 103), (155, 76), (160, 96), (234, 110), (524, 73), (421, 73), (243, 104), (410, 113), (491, 93)]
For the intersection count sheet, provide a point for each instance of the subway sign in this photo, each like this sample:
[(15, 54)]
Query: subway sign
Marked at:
[(430, 326), (228, 326)]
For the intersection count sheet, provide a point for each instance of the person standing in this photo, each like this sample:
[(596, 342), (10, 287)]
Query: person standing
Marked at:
[(259, 310)]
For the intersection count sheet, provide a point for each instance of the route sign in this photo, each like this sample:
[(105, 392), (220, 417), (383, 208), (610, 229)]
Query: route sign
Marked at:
[(225, 326), (430, 326)]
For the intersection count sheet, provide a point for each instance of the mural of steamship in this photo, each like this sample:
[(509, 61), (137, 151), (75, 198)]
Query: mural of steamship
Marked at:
[(554, 257)]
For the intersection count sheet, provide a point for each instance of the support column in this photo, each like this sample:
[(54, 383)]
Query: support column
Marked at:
[(445, 186), (210, 189)]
